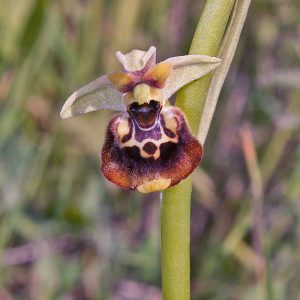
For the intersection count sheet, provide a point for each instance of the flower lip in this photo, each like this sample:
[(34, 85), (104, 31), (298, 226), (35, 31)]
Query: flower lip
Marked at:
[(145, 115), (177, 157)]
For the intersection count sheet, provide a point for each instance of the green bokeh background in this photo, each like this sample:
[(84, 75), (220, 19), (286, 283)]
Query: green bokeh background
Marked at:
[(66, 233)]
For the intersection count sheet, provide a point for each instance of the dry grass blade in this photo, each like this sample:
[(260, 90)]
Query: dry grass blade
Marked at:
[(262, 277)]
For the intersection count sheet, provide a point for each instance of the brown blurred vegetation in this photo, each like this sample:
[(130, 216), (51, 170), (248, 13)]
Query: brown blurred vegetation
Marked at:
[(66, 233)]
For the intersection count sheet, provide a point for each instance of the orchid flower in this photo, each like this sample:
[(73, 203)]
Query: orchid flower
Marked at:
[(148, 146)]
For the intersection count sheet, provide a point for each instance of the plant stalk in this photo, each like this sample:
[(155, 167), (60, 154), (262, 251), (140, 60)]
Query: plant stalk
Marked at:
[(176, 202)]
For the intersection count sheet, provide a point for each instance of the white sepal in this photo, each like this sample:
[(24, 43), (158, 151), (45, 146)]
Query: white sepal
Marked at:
[(137, 60), (186, 69), (98, 94)]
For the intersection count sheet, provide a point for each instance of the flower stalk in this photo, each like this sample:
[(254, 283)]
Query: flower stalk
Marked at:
[(175, 213)]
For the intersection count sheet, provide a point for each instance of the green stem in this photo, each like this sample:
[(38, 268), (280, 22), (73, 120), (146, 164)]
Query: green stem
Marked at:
[(175, 214)]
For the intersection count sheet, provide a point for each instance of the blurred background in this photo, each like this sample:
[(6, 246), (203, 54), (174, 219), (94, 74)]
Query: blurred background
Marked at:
[(66, 233)]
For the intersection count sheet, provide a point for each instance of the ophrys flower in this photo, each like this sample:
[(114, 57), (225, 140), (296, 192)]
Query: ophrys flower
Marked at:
[(148, 146)]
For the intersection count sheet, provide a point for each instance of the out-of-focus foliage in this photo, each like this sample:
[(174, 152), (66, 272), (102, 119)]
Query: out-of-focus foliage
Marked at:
[(65, 233)]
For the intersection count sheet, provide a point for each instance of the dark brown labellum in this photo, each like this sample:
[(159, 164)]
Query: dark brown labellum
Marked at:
[(149, 159)]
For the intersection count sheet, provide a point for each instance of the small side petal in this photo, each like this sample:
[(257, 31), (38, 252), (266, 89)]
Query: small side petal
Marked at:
[(122, 81), (186, 69), (158, 75), (98, 94)]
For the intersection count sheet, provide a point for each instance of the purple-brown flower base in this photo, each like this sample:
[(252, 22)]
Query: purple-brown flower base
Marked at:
[(167, 154)]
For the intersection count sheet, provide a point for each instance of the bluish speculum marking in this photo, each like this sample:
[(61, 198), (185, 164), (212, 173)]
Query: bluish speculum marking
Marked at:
[(146, 142)]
